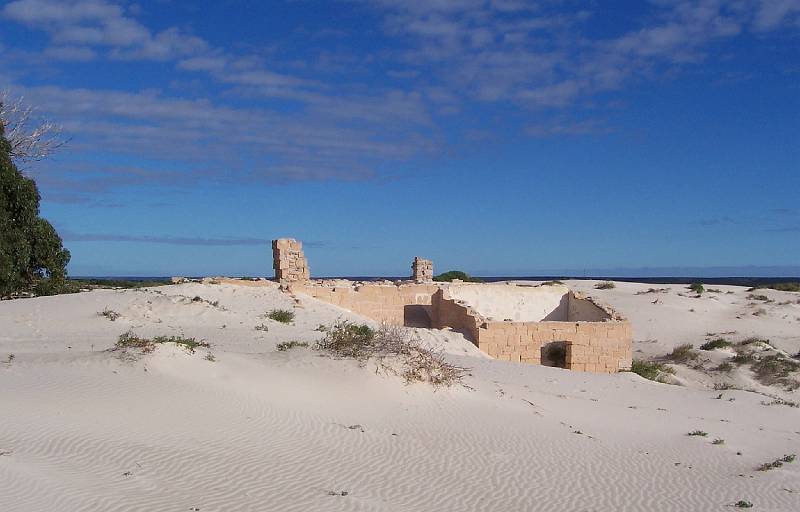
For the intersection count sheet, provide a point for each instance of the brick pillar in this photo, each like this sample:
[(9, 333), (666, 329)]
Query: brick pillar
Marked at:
[(422, 270), (288, 261)]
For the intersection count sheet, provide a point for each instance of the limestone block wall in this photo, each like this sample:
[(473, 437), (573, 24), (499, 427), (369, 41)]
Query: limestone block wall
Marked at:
[(289, 262), (591, 337), (601, 345), (422, 270)]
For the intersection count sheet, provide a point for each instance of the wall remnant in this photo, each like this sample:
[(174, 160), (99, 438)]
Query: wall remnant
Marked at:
[(544, 324), (289, 262), (422, 270)]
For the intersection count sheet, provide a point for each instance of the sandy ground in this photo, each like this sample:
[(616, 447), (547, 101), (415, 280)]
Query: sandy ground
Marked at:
[(257, 429)]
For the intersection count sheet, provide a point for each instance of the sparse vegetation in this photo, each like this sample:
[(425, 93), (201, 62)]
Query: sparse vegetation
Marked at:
[(776, 369), (697, 288), (743, 504), (763, 298), (198, 298), (780, 401), (605, 285), (777, 463), (131, 341), (552, 283), (283, 316), (210, 357), (393, 350), (683, 353), (288, 345), (450, 275), (792, 286), (718, 441), (715, 343), (724, 367), (110, 314), (697, 433), (760, 312), (10, 359), (651, 370), (652, 290), (262, 327), (321, 328), (93, 284)]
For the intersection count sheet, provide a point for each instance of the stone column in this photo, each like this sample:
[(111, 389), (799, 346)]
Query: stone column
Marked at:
[(422, 270), (289, 262)]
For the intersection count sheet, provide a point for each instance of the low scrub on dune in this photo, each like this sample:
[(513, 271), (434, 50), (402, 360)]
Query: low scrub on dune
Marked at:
[(283, 316), (777, 463), (130, 341), (394, 350), (652, 290), (288, 345), (793, 286), (683, 353), (715, 343), (605, 285), (651, 370)]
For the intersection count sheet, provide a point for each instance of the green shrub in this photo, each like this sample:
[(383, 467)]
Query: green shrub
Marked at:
[(698, 288), (450, 275), (651, 370), (776, 369), (288, 345), (715, 343), (743, 504), (110, 314), (698, 433), (605, 285), (283, 316), (777, 463)]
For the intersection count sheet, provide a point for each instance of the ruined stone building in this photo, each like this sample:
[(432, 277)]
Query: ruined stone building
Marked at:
[(544, 324)]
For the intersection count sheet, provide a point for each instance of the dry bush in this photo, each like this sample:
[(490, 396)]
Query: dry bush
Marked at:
[(110, 314), (605, 285), (394, 350)]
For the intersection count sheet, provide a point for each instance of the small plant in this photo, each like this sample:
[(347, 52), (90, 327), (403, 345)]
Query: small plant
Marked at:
[(210, 357), (651, 370), (110, 314), (760, 312), (552, 283), (683, 353), (288, 345), (698, 433), (718, 441), (714, 290), (262, 327), (321, 328), (10, 359), (743, 504), (714, 344), (283, 316), (763, 298), (605, 285), (198, 298), (777, 463), (697, 288)]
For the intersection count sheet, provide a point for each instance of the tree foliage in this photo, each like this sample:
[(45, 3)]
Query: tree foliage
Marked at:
[(456, 274), (32, 258)]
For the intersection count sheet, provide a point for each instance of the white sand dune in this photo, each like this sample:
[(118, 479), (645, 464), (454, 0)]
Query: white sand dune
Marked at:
[(83, 430)]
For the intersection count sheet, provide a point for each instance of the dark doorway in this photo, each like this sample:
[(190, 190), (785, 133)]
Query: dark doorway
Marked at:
[(555, 354), (416, 315)]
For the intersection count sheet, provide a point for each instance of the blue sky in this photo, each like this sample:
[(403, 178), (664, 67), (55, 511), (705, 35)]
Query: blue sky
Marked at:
[(501, 137)]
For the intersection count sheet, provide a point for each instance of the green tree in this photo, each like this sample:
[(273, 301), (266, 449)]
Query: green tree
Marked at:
[(32, 257)]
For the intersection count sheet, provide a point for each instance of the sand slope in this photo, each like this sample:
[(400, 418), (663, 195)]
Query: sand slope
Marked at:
[(260, 430)]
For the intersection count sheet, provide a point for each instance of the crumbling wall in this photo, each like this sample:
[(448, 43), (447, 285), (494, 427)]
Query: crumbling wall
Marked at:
[(602, 345), (422, 270), (389, 303), (289, 262)]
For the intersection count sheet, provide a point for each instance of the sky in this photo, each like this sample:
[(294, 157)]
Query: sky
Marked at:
[(499, 137)]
